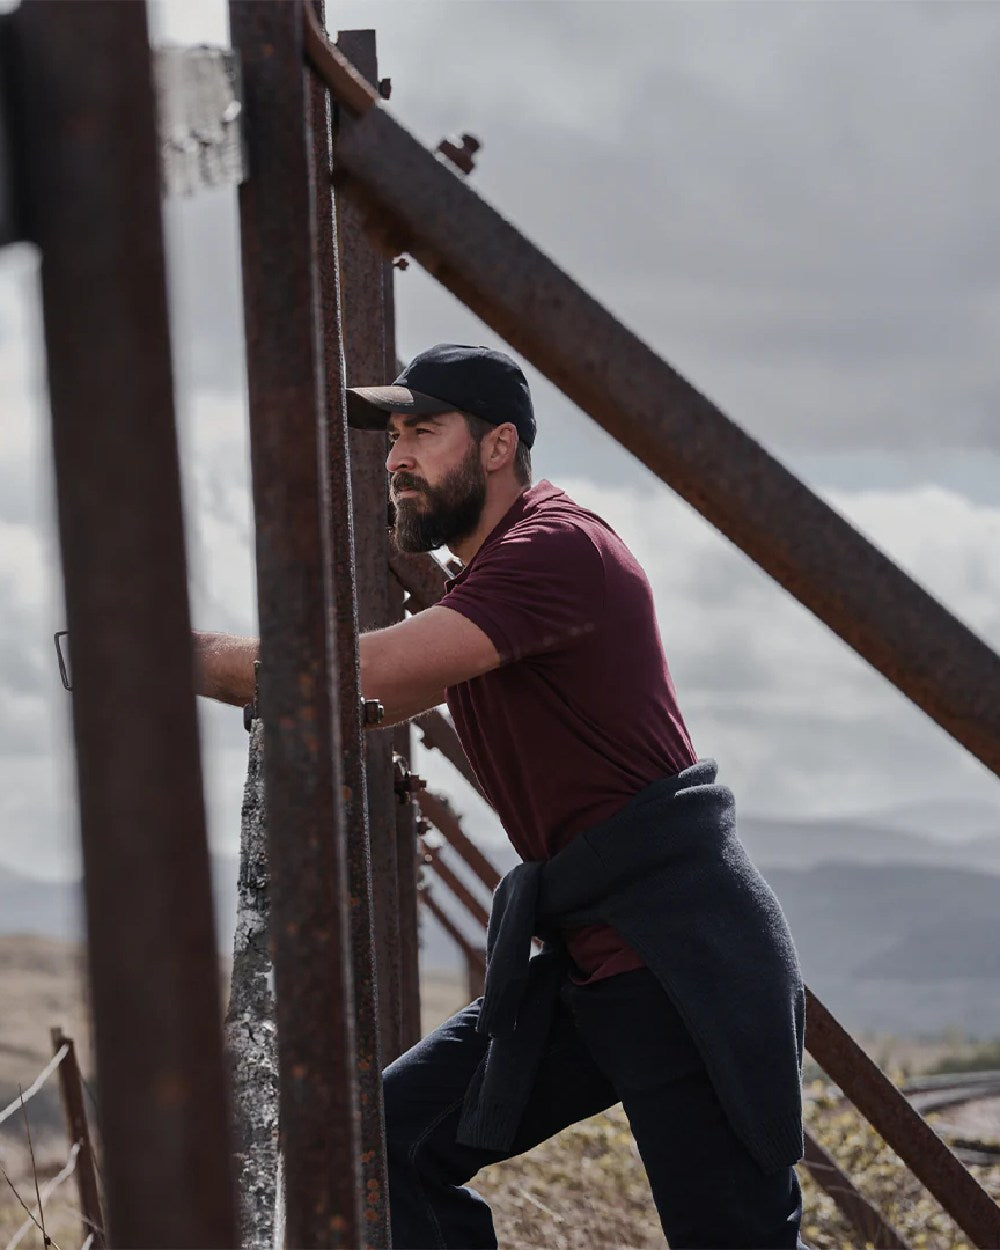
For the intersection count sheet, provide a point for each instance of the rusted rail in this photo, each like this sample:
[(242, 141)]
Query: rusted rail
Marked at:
[(319, 1119), (92, 194), (903, 1128), (421, 576), (472, 953), (432, 857), (421, 206), (438, 812), (438, 734), (867, 1219)]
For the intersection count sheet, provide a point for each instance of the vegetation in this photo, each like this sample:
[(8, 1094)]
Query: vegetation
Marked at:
[(979, 1059), (586, 1188)]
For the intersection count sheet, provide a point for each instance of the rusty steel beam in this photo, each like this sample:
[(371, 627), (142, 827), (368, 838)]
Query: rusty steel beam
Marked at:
[(92, 202), (473, 954), (419, 574), (409, 928), (335, 465), (902, 1127), (438, 734), (874, 1229), (363, 295), (319, 1117), (431, 856), (439, 813), (417, 204)]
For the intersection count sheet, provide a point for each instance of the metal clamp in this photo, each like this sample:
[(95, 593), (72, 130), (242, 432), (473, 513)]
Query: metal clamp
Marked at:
[(462, 157)]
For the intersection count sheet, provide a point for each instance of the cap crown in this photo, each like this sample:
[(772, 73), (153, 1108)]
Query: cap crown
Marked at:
[(477, 380)]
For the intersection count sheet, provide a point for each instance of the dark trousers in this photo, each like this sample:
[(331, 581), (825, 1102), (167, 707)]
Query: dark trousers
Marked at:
[(619, 1039)]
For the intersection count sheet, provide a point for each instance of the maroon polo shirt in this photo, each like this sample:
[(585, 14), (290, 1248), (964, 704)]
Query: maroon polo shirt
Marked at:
[(581, 714)]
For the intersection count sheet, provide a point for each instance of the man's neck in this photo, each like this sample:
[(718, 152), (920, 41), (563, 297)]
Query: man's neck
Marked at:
[(496, 508)]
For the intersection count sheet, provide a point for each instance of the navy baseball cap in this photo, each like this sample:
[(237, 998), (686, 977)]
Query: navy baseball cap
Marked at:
[(450, 378)]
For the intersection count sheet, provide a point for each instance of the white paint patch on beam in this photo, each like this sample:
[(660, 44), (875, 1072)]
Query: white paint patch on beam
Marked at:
[(199, 113)]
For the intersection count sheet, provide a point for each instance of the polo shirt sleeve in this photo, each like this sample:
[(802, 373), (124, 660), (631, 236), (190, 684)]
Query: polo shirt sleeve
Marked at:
[(539, 588)]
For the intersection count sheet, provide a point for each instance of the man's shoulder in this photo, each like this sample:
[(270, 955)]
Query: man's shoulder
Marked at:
[(550, 510)]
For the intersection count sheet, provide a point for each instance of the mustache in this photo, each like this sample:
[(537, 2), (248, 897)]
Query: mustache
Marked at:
[(406, 481)]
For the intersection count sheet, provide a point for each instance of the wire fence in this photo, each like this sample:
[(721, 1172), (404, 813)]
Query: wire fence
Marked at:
[(35, 1085), (64, 1062), (46, 1192)]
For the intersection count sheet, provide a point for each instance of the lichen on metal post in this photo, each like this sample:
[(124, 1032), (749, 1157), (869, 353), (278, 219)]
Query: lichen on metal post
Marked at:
[(251, 1026)]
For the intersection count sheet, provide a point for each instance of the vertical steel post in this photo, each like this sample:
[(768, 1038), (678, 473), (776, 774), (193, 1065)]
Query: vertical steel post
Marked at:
[(409, 923), (363, 298), (71, 1088), (319, 1130), (93, 206), (336, 466)]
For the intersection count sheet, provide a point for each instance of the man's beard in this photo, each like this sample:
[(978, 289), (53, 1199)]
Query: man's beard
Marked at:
[(450, 511)]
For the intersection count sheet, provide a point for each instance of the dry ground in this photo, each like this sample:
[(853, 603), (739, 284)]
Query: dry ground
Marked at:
[(583, 1190)]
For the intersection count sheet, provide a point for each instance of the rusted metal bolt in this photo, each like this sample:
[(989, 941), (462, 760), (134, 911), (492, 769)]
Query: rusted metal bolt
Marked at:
[(372, 712), (385, 88), (406, 784), (461, 155), (400, 263)]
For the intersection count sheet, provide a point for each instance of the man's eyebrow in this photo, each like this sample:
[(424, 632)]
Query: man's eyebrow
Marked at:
[(418, 419)]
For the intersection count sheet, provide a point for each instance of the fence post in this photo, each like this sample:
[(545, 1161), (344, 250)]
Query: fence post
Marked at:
[(336, 465), (364, 297), (299, 697), (71, 1088), (409, 923), (93, 198)]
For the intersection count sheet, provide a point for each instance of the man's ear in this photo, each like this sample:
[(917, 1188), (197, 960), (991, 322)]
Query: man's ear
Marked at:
[(503, 447)]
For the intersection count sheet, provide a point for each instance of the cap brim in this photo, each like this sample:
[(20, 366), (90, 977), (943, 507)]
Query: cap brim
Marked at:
[(368, 407)]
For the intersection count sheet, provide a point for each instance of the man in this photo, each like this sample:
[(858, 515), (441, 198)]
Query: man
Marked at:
[(668, 980)]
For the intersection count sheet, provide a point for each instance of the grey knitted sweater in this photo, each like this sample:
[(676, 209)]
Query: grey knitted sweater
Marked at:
[(670, 875)]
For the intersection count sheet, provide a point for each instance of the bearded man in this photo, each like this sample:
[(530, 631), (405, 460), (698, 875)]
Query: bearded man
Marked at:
[(668, 980)]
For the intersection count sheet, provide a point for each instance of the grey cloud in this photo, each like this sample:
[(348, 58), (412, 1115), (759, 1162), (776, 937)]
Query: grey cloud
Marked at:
[(794, 204)]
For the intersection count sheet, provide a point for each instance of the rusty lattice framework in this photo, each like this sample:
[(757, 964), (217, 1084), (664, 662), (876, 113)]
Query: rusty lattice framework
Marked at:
[(335, 189)]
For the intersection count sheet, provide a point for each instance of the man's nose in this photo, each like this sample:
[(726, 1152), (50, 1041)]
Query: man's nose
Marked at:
[(398, 458)]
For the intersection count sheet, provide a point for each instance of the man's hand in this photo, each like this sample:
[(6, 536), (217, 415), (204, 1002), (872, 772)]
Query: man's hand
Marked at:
[(223, 667), (406, 666)]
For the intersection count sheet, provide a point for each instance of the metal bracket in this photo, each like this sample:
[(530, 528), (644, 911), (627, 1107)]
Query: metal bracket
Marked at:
[(461, 156), (199, 118), (63, 670)]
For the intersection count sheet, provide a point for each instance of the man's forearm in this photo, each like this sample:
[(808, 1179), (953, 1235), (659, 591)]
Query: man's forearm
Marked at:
[(224, 667)]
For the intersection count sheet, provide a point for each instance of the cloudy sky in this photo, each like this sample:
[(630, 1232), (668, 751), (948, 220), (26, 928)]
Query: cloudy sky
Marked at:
[(795, 204)]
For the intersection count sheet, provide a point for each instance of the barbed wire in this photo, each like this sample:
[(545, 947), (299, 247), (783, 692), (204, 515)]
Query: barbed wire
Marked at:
[(47, 1190), (35, 1085)]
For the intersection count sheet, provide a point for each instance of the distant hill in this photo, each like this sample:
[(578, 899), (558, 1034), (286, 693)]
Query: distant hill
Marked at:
[(897, 933), (775, 842)]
